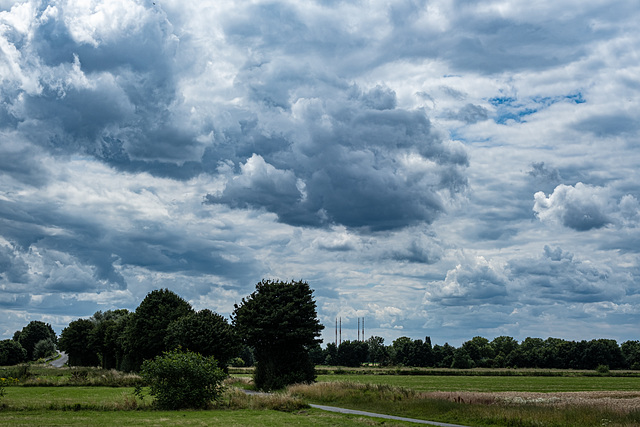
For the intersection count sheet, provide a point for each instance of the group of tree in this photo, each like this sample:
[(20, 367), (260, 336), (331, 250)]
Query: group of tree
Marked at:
[(277, 325), (123, 340), (36, 340), (277, 328), (501, 352)]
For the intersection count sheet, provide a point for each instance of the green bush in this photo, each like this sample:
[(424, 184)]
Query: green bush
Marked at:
[(183, 379), (44, 348), (237, 362)]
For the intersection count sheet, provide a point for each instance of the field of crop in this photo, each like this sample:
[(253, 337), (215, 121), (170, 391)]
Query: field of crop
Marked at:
[(543, 384)]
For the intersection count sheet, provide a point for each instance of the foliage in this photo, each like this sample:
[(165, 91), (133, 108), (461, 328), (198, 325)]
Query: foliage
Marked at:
[(480, 351), (352, 353), (204, 332), (462, 360), (378, 352), (107, 337), (183, 379), (75, 341), (408, 352), (34, 332), (279, 321), (11, 353), (146, 330), (631, 353), (43, 349)]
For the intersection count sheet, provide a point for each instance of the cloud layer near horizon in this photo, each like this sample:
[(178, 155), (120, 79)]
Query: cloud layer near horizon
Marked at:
[(442, 168)]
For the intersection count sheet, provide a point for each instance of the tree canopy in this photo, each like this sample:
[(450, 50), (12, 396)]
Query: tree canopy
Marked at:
[(75, 341), (279, 321), (204, 332), (33, 333)]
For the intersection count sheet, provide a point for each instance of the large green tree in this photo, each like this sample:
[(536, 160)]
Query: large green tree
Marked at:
[(279, 321), (11, 353), (146, 330), (107, 337), (75, 341), (352, 353), (204, 332), (34, 332)]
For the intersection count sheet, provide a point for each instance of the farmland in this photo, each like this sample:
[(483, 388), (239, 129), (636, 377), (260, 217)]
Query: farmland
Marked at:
[(523, 398)]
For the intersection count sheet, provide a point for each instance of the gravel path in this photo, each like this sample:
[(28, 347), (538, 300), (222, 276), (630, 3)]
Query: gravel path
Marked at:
[(366, 414), (59, 362), (386, 417)]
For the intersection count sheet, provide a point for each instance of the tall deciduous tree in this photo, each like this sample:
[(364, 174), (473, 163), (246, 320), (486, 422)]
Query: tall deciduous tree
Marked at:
[(107, 337), (279, 321), (147, 328), (34, 332), (75, 339), (11, 353), (204, 332)]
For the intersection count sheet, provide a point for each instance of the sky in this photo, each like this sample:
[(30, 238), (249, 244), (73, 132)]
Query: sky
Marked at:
[(442, 168)]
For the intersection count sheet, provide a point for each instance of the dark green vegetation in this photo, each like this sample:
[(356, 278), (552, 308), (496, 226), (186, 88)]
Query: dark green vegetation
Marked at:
[(279, 321), (479, 352), (36, 340), (183, 379), (276, 325)]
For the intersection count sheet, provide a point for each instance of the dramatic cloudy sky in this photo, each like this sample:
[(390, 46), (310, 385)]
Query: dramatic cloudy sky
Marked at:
[(449, 168)]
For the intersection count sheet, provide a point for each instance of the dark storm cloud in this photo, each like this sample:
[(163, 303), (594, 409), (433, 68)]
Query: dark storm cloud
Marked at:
[(99, 92), (350, 161), (20, 160)]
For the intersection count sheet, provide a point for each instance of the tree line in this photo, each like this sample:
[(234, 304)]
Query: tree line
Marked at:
[(501, 352), (277, 329)]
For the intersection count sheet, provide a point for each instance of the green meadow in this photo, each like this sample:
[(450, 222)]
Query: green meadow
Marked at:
[(66, 396)]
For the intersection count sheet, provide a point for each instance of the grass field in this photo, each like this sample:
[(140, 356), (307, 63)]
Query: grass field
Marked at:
[(311, 417), (66, 396)]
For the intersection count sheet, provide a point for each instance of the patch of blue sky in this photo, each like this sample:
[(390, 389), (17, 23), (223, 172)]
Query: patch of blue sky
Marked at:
[(457, 135), (511, 109)]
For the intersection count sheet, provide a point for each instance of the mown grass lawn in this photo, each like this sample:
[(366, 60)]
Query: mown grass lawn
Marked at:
[(245, 417)]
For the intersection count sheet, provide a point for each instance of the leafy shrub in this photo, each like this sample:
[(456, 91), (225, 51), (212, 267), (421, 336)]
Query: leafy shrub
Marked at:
[(183, 379), (602, 369), (44, 348), (237, 362)]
